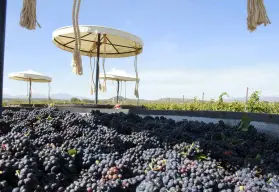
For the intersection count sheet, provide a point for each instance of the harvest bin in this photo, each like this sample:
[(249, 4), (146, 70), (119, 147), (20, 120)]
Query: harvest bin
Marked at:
[(138, 152), (86, 108)]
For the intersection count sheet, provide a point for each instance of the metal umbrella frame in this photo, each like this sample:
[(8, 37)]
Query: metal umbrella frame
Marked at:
[(30, 76), (98, 41), (118, 79)]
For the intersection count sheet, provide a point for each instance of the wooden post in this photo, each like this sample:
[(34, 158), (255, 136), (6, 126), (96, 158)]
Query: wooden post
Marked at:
[(203, 96), (3, 8), (117, 96)]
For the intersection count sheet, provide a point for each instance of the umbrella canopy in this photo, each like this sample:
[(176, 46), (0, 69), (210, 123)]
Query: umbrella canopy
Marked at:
[(30, 76), (118, 43), (115, 77), (118, 76)]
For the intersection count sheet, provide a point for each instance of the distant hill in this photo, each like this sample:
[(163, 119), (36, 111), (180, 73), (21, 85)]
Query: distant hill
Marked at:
[(128, 100), (170, 99), (121, 98), (58, 96), (263, 98), (61, 96)]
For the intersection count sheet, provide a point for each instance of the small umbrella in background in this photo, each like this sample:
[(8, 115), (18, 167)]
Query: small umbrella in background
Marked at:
[(118, 77), (31, 76)]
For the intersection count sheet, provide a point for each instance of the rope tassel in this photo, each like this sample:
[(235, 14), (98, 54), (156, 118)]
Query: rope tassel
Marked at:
[(77, 61), (49, 91), (92, 84), (104, 85), (257, 14), (136, 92), (28, 16)]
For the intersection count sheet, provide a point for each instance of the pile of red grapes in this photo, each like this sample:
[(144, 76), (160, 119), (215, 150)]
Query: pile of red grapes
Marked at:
[(55, 151)]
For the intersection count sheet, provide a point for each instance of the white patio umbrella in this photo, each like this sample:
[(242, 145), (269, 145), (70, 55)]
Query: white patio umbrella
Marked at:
[(31, 76), (97, 41), (119, 77)]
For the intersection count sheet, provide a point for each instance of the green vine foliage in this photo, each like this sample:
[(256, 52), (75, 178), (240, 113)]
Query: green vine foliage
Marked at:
[(253, 105)]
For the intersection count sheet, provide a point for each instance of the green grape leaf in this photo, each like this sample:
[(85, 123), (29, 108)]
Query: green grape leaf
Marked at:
[(150, 166), (201, 156), (26, 134), (258, 157), (17, 172), (72, 152), (245, 123)]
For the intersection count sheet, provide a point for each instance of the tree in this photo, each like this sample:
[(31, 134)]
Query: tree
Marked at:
[(87, 101), (253, 104), (75, 100), (220, 103), (221, 100)]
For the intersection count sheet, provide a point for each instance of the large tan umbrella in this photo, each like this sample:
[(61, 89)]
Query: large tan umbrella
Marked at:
[(97, 41), (114, 76), (31, 76)]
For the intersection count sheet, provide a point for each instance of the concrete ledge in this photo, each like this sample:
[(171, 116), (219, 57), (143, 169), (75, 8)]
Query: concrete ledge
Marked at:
[(19, 108), (99, 106), (88, 110), (258, 117)]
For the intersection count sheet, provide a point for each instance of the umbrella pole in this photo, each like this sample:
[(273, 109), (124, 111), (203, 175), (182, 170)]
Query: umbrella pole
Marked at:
[(97, 68), (117, 96), (30, 84), (3, 8)]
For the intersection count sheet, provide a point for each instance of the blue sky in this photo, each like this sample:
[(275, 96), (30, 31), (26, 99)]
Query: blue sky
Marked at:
[(190, 47)]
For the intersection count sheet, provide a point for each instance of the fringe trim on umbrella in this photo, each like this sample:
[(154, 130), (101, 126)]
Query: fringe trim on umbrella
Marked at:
[(92, 83), (49, 91), (104, 85)]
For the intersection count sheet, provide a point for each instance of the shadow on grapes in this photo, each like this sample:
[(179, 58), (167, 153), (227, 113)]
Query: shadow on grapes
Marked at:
[(49, 150)]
